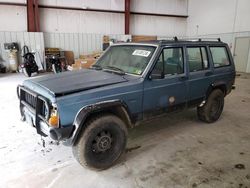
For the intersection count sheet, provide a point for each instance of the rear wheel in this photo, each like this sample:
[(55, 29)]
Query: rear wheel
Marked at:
[(213, 108), (56, 68), (101, 143), (27, 72)]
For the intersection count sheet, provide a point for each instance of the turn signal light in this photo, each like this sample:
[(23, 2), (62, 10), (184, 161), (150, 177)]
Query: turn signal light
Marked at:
[(53, 121)]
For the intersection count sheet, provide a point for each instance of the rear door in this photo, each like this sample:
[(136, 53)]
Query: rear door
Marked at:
[(199, 73)]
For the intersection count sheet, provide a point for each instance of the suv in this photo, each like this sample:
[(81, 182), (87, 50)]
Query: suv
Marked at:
[(91, 109)]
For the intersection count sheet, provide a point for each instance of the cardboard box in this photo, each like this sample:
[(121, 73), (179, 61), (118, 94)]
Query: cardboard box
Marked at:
[(139, 38), (95, 55), (69, 56), (83, 63), (85, 56), (105, 39), (74, 67), (88, 62)]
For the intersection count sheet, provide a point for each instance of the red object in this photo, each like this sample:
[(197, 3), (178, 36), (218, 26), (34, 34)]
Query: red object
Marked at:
[(30, 16), (127, 16), (33, 16), (37, 18)]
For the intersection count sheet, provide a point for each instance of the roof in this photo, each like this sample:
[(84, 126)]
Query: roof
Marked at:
[(183, 41)]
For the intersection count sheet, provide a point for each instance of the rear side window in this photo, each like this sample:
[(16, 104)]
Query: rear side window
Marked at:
[(220, 57), (197, 58)]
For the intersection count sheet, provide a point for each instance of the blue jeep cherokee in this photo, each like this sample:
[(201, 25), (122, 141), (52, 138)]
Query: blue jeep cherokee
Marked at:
[(92, 109)]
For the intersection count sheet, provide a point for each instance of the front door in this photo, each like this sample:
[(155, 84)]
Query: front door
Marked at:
[(166, 87)]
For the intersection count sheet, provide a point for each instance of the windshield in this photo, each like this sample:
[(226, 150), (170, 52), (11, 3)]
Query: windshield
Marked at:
[(132, 59)]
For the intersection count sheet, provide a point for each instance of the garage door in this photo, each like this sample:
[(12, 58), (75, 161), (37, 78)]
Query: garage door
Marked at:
[(241, 53)]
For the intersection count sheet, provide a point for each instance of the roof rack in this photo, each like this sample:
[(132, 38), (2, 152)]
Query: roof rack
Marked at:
[(197, 39)]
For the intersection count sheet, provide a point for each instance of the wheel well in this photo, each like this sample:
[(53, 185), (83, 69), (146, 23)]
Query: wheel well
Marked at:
[(222, 87), (118, 111)]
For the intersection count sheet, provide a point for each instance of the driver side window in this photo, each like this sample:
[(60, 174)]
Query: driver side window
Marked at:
[(170, 62)]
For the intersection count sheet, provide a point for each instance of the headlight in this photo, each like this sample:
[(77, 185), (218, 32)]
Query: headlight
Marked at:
[(54, 117)]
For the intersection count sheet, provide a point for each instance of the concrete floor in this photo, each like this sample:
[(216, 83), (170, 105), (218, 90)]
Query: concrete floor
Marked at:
[(177, 151)]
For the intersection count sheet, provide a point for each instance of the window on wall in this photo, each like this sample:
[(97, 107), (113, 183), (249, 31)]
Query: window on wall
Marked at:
[(170, 62), (220, 57), (197, 58)]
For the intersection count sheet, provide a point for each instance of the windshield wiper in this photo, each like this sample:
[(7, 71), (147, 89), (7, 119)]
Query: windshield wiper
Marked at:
[(115, 69), (96, 67)]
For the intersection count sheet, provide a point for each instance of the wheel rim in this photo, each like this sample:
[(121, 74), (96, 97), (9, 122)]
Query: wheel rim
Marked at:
[(102, 142)]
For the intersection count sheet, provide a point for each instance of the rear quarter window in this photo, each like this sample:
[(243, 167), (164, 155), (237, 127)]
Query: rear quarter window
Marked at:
[(220, 56)]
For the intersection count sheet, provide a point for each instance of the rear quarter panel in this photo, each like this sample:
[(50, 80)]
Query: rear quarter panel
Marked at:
[(226, 74)]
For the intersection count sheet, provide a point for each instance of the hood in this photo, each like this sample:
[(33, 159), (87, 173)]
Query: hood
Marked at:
[(74, 81)]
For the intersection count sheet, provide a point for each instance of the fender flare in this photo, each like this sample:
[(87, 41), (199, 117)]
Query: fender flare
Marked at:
[(85, 111), (216, 85)]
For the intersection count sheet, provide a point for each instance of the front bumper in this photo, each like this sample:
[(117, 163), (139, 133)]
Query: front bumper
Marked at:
[(30, 109)]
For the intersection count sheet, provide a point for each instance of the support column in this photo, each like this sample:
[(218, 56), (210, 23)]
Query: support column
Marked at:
[(127, 16), (37, 18), (33, 16), (30, 16)]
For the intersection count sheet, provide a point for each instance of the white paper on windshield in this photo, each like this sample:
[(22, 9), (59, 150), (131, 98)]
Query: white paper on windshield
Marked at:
[(143, 53)]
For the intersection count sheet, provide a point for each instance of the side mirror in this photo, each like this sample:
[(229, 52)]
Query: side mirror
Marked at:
[(154, 76)]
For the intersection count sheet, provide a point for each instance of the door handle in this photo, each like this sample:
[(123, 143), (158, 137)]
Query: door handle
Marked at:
[(209, 73), (183, 78)]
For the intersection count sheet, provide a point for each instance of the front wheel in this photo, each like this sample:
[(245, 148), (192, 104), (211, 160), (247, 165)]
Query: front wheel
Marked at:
[(101, 143), (213, 108), (56, 68), (27, 72)]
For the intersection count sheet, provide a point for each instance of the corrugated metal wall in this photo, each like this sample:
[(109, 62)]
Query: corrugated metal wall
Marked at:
[(230, 39), (35, 42), (79, 43)]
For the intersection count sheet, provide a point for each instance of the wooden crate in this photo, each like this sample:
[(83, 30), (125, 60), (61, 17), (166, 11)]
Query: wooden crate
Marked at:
[(141, 38)]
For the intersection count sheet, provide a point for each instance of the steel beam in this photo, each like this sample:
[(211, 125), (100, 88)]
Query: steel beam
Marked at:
[(30, 16), (97, 10), (127, 16), (37, 18)]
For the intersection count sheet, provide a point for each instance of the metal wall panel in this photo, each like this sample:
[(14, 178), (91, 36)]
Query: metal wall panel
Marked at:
[(34, 41), (79, 43), (230, 39)]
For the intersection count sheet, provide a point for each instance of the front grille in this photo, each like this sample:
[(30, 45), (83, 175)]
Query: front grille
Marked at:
[(36, 103), (30, 99)]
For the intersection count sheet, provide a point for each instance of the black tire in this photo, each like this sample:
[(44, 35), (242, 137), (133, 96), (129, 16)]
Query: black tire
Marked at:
[(56, 69), (101, 143), (213, 108), (27, 72)]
